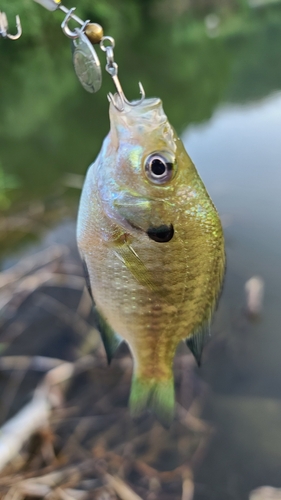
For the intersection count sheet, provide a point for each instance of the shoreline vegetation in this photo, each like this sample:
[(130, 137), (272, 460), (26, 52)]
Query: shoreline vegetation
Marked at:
[(66, 431), (194, 55)]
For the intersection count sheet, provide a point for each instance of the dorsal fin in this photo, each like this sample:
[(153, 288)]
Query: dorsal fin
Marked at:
[(196, 343)]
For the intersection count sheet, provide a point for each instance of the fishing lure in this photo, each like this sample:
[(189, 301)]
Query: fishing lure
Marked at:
[(149, 237), (4, 27)]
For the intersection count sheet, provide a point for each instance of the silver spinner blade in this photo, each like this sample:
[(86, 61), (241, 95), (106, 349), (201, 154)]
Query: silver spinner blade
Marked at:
[(86, 63)]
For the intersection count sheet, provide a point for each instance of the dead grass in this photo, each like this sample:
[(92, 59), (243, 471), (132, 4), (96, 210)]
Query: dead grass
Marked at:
[(66, 430)]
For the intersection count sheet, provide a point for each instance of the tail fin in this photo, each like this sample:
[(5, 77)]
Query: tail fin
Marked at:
[(158, 396)]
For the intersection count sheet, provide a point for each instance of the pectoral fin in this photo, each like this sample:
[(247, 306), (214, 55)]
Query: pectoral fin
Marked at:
[(196, 343), (129, 257)]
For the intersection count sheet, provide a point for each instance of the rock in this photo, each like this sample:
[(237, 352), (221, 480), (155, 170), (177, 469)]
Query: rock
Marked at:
[(254, 289), (266, 493)]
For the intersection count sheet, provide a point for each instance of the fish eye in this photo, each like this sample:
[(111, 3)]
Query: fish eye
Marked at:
[(158, 168)]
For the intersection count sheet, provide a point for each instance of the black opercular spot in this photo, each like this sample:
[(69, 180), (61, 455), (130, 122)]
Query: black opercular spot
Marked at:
[(161, 234)]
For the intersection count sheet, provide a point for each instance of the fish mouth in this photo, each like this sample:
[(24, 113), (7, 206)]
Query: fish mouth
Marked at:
[(161, 234)]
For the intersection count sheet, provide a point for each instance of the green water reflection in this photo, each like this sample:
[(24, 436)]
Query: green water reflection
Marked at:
[(49, 125)]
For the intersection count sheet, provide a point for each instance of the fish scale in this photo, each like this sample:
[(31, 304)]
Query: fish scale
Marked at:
[(150, 293)]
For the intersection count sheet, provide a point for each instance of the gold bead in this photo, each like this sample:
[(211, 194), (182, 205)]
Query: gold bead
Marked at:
[(94, 32)]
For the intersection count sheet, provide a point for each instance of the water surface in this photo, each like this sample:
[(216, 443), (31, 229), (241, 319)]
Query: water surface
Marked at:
[(238, 154)]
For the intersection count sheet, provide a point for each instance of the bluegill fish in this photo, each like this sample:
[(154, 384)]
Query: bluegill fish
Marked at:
[(153, 249)]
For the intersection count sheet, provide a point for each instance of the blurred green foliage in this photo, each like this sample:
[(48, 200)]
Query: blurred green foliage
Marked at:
[(114, 15), (163, 43), (7, 184), (50, 125)]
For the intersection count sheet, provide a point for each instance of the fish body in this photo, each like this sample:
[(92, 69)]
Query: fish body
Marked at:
[(153, 249)]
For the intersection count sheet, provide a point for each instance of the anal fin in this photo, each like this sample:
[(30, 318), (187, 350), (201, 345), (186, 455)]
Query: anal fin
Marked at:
[(111, 340), (87, 279)]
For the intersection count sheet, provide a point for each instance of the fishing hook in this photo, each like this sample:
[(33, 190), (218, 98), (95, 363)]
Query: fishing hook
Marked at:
[(112, 69), (4, 27)]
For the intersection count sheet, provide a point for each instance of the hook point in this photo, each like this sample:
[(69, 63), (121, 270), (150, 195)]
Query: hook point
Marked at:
[(4, 27)]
